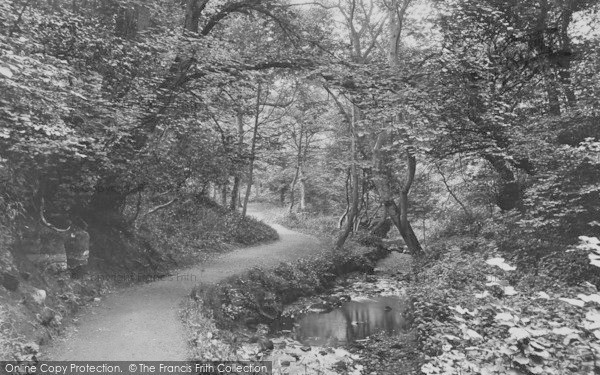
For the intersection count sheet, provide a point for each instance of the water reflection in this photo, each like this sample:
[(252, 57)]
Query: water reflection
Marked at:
[(353, 321)]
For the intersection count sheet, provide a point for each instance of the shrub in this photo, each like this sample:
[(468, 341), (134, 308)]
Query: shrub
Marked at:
[(319, 225), (199, 226)]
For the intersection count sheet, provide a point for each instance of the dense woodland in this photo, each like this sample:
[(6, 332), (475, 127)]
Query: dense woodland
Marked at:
[(452, 124)]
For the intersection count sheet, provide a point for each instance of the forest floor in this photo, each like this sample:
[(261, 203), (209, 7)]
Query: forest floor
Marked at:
[(142, 323)]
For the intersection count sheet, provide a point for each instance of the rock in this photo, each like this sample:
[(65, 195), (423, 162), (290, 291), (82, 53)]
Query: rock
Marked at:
[(281, 345), (262, 329), (285, 363), (305, 348), (46, 316), (10, 281), (294, 355), (30, 348), (319, 308), (340, 365), (39, 296), (265, 344), (396, 346)]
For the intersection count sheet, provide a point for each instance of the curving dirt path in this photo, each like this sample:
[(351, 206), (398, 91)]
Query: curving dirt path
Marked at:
[(142, 322)]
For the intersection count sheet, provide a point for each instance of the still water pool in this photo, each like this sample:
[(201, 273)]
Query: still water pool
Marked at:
[(355, 320)]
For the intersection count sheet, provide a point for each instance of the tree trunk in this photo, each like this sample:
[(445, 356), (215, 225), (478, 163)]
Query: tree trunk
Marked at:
[(252, 152), (298, 168), (538, 43), (552, 95), (355, 184), (409, 236), (193, 11), (224, 189), (509, 190), (126, 22), (302, 180), (293, 188), (397, 214), (565, 54), (233, 203), (235, 191), (396, 13), (282, 191)]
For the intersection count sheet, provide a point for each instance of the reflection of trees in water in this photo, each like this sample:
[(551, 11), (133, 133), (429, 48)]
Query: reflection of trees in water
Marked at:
[(355, 321)]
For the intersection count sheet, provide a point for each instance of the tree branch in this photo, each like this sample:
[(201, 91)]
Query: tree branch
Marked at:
[(46, 223), (160, 207)]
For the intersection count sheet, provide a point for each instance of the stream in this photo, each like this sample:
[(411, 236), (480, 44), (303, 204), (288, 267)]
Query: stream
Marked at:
[(354, 320)]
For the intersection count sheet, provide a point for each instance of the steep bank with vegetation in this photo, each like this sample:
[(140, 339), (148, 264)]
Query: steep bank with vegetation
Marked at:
[(481, 308)]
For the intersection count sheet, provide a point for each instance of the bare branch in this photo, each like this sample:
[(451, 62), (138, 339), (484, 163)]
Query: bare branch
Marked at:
[(339, 105), (160, 207), (46, 223), (462, 205)]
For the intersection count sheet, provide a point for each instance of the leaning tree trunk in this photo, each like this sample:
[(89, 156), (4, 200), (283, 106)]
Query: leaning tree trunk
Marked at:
[(409, 236), (354, 197), (509, 190), (398, 215), (298, 168)]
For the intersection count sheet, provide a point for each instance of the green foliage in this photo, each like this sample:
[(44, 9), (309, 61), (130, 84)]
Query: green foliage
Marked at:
[(259, 295), (474, 322), (6, 335), (203, 332), (564, 201), (197, 226), (319, 225)]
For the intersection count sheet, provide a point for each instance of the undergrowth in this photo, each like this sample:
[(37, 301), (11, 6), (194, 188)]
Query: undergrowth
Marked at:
[(5, 334), (206, 340), (480, 311), (318, 225), (200, 225)]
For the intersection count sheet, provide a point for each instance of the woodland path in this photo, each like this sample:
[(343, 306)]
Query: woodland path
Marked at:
[(142, 323)]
